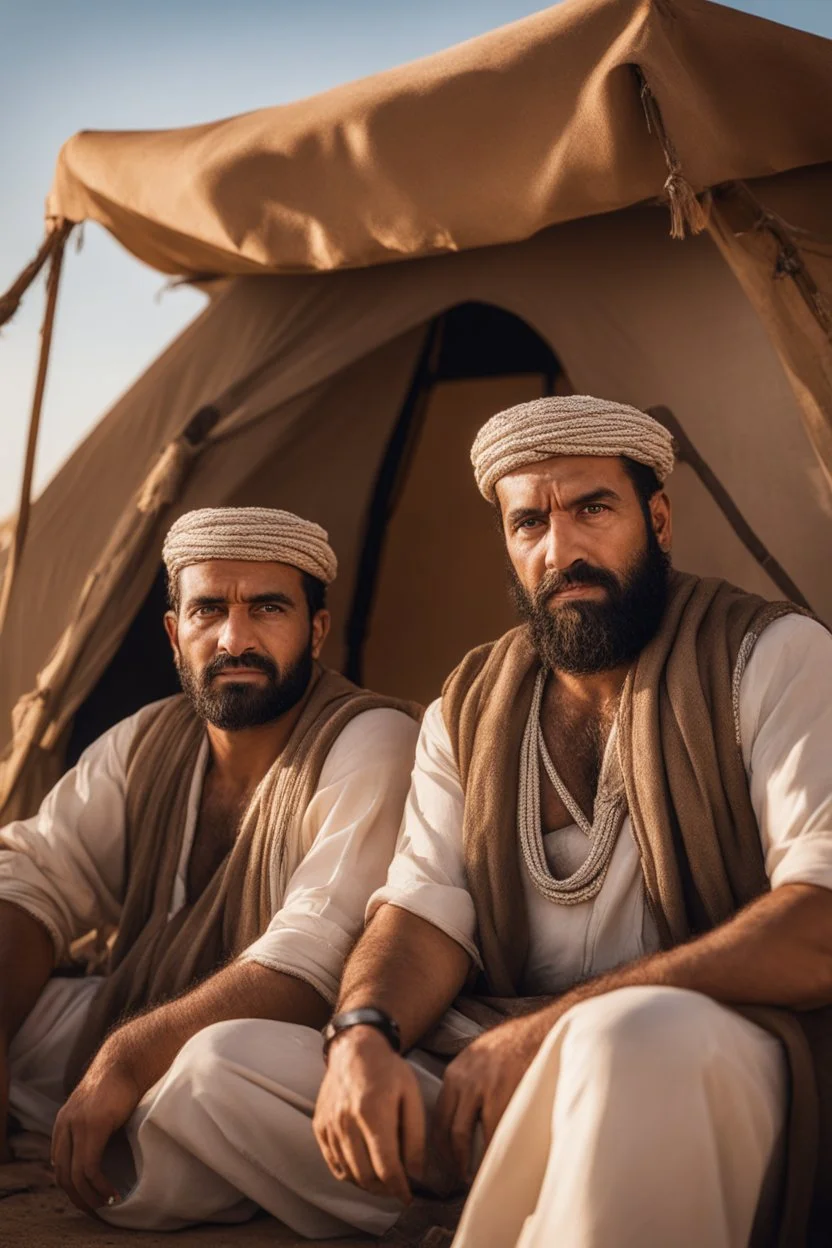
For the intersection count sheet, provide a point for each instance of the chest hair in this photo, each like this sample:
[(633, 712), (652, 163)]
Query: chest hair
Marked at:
[(218, 822), (576, 738)]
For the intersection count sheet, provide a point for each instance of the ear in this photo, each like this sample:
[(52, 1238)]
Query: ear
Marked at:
[(321, 622), (662, 520), (172, 630)]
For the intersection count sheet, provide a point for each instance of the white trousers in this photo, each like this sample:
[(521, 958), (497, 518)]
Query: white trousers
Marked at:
[(650, 1117)]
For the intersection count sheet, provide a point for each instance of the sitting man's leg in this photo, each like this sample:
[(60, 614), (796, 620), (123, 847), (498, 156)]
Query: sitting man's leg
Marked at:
[(39, 1052), (229, 1128), (650, 1117)]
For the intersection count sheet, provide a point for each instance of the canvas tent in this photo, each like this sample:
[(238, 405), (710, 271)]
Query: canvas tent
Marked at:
[(521, 183)]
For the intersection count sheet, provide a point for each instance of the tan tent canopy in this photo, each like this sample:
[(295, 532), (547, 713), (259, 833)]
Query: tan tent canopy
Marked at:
[(536, 123), (353, 396)]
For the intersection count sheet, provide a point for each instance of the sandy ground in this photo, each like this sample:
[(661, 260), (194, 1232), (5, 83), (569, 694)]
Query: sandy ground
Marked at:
[(36, 1214)]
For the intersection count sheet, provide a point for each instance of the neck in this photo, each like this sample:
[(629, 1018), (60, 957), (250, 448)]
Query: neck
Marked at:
[(241, 759), (593, 692)]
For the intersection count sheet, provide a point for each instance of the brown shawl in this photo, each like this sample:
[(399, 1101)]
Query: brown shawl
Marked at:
[(156, 957), (688, 800)]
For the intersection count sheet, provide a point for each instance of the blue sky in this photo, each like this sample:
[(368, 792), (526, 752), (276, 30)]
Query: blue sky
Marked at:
[(67, 65)]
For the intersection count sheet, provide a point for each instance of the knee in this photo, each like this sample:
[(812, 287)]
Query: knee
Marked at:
[(669, 1035), (242, 1049)]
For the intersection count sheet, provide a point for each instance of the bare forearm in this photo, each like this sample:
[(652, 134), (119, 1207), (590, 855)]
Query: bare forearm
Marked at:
[(26, 958), (407, 967), (147, 1045), (777, 951)]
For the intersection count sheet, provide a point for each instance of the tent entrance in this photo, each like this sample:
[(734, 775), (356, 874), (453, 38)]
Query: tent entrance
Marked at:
[(431, 578)]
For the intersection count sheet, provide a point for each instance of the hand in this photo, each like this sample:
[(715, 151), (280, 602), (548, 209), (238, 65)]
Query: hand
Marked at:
[(103, 1101), (370, 1120), (478, 1085)]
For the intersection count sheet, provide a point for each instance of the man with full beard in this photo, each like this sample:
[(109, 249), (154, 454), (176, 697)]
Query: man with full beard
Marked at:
[(230, 837), (616, 864)]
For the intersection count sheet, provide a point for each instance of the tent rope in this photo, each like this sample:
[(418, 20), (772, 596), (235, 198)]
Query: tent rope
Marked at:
[(55, 240), (686, 453), (687, 214), (21, 522), (789, 261)]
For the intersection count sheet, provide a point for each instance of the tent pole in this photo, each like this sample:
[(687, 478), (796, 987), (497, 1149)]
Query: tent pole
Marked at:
[(385, 496), (21, 524), (10, 301)]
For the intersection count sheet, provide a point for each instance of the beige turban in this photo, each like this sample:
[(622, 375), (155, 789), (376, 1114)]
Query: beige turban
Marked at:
[(258, 534), (574, 424)]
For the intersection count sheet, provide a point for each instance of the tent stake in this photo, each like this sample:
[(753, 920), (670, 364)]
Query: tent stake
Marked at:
[(21, 523)]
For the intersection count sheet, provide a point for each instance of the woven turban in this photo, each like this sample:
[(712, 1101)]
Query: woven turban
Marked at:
[(258, 534), (574, 424)]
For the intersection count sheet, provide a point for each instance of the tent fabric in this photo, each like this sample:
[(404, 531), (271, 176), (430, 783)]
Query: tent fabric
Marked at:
[(306, 376), (786, 271), (489, 142)]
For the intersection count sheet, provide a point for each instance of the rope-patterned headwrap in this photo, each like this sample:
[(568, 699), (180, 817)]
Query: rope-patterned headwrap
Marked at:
[(258, 534), (575, 424)]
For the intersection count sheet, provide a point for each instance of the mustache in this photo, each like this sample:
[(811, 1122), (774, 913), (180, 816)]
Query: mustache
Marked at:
[(228, 662), (579, 573)]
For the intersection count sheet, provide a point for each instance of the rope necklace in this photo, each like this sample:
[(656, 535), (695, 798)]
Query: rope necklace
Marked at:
[(610, 809)]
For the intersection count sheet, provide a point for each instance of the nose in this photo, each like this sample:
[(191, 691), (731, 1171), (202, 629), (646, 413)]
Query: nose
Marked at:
[(236, 634), (563, 544)]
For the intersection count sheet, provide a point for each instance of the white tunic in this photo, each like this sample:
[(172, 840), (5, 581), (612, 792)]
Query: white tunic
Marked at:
[(65, 866), (785, 714)]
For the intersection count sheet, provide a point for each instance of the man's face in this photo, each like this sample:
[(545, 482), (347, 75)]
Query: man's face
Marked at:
[(589, 573), (242, 640)]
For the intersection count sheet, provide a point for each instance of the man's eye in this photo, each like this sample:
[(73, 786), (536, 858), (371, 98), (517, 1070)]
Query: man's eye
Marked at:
[(531, 522), (204, 612), (271, 608), (594, 509)]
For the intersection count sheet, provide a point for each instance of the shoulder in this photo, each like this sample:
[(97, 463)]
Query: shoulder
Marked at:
[(382, 737), (790, 666), (114, 745), (790, 643), (476, 661)]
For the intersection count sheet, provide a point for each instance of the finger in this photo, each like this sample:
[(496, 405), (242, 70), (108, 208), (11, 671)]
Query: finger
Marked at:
[(77, 1177), (357, 1158), (62, 1150), (382, 1140), (443, 1116), (330, 1156), (412, 1131), (461, 1131), (494, 1105), (93, 1143)]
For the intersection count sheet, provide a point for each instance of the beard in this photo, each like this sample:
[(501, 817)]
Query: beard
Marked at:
[(582, 637), (233, 706)]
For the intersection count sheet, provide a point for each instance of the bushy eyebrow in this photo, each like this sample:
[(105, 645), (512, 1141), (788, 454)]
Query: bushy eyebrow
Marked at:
[(210, 600), (602, 495)]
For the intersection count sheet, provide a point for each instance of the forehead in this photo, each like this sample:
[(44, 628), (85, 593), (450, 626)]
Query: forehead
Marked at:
[(237, 579), (562, 478)]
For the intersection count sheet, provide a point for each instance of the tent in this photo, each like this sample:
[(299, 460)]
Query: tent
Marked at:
[(620, 197)]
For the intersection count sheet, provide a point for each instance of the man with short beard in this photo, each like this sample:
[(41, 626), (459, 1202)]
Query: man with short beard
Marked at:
[(611, 898), (230, 837)]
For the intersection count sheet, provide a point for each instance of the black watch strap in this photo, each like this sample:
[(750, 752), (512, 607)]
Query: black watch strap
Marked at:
[(367, 1016)]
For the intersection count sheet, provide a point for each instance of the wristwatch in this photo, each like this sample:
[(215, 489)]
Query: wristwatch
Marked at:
[(367, 1016)]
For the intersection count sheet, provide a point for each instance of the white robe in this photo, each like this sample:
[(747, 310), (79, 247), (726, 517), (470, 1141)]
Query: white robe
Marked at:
[(635, 1094)]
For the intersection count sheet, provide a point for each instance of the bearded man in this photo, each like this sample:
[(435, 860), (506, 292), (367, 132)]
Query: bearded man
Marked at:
[(232, 836), (619, 841)]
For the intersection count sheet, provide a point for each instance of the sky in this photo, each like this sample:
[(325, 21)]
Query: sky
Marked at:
[(67, 65)]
